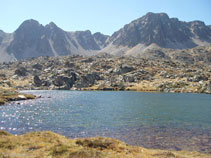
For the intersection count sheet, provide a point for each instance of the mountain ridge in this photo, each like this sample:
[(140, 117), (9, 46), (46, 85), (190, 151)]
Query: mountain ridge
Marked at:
[(160, 30), (149, 32)]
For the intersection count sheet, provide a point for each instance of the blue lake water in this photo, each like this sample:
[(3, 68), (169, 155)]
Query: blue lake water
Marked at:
[(153, 120)]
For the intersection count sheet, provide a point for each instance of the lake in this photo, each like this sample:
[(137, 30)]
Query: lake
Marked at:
[(153, 120)]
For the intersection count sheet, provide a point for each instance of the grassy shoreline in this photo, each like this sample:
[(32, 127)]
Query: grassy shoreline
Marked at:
[(47, 144)]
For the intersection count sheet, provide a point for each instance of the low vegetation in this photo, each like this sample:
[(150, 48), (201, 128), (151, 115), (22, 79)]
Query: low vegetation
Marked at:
[(49, 144)]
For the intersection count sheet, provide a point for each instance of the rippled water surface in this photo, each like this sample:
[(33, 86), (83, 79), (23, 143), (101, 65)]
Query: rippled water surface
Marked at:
[(154, 120)]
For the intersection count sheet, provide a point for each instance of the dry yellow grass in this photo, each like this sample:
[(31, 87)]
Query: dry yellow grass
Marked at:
[(51, 145), (21, 83)]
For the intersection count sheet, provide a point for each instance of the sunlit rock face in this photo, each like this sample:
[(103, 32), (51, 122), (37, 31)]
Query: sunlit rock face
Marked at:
[(164, 31)]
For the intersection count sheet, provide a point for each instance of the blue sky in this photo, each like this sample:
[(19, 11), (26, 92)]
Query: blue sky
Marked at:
[(104, 16)]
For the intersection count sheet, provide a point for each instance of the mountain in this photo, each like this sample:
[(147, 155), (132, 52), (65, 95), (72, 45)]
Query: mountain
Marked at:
[(151, 32), (156, 30), (32, 39)]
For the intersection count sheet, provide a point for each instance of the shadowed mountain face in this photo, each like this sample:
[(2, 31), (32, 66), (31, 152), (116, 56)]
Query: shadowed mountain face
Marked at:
[(154, 30), (161, 30), (1, 36), (32, 39)]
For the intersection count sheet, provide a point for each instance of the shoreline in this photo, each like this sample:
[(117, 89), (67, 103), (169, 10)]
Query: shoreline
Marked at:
[(46, 143), (8, 95), (113, 90)]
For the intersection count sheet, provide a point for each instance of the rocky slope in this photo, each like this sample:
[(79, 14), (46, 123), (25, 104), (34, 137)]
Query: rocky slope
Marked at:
[(168, 73), (49, 144), (32, 39)]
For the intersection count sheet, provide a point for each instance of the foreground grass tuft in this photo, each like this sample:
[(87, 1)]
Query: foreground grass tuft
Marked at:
[(51, 145)]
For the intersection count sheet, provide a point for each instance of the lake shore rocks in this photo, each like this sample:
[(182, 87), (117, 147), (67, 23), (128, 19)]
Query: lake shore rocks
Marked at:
[(48, 144), (106, 72), (7, 95)]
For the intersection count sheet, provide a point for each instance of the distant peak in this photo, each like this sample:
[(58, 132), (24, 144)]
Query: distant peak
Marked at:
[(30, 22), (52, 26), (197, 22), (154, 15)]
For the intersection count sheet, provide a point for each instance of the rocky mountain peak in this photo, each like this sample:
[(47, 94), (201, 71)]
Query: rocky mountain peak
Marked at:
[(29, 24), (51, 26), (159, 29), (151, 16)]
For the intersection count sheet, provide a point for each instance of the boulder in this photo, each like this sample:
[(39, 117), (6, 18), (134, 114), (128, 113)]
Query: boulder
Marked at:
[(21, 71), (64, 82), (37, 66), (125, 69), (129, 78), (37, 81), (89, 79), (89, 60)]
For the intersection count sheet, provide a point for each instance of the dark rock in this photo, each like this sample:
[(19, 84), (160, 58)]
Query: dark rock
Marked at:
[(129, 78), (46, 83), (37, 66), (125, 69), (89, 60), (64, 82), (90, 79), (21, 71), (69, 64), (37, 81), (198, 78)]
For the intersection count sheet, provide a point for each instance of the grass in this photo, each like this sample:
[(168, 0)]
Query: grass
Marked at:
[(48, 144)]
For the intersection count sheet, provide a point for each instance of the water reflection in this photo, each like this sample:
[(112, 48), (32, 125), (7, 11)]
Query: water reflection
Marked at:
[(154, 120)]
